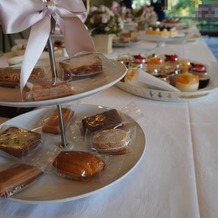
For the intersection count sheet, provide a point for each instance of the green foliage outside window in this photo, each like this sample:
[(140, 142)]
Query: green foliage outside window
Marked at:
[(183, 8)]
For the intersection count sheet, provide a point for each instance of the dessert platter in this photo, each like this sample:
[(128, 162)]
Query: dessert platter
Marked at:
[(161, 34), (168, 78), (51, 187), (161, 39)]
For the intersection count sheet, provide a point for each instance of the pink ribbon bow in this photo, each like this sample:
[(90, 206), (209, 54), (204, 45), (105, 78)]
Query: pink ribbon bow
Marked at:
[(17, 15)]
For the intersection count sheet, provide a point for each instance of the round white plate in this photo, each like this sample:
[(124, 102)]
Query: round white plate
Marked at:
[(113, 71), (51, 188), (143, 90)]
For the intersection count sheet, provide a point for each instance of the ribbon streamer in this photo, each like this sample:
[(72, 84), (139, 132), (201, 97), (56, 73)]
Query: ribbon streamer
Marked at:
[(17, 15)]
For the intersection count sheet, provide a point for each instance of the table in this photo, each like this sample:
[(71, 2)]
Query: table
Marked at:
[(178, 175)]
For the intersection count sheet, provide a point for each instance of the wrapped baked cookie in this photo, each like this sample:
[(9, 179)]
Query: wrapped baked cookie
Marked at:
[(10, 76), (19, 142), (111, 141), (80, 66), (109, 132), (78, 165), (15, 178), (52, 124), (107, 120), (47, 90)]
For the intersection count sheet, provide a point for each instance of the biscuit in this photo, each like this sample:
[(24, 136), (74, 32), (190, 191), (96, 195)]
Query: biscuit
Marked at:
[(111, 141)]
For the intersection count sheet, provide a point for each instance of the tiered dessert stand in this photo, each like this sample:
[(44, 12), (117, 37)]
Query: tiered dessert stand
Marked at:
[(61, 190)]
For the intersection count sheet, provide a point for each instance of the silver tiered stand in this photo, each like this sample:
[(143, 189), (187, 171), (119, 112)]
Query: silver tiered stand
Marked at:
[(54, 74)]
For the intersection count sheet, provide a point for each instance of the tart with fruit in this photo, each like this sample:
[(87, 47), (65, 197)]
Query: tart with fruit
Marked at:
[(154, 64), (197, 67), (200, 70), (171, 61), (184, 65), (171, 58), (161, 31), (138, 60)]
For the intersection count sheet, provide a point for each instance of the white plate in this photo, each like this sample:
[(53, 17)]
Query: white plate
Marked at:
[(113, 72), (52, 188), (143, 90)]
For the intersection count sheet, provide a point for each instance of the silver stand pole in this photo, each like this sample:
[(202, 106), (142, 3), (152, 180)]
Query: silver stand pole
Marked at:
[(54, 75)]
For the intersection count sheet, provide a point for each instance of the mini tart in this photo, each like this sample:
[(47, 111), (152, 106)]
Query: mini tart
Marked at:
[(138, 59), (197, 67), (171, 58), (204, 79), (187, 82), (200, 70), (154, 64), (154, 60), (184, 65), (112, 141)]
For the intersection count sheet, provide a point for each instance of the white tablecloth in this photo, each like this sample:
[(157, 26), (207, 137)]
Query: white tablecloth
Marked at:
[(178, 175)]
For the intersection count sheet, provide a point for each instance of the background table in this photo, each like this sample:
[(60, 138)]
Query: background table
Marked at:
[(178, 174)]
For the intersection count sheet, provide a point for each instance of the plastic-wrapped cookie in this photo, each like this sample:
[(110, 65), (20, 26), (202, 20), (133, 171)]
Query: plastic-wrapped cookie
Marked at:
[(15, 178), (107, 120), (78, 165), (53, 124), (19, 142), (112, 141)]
